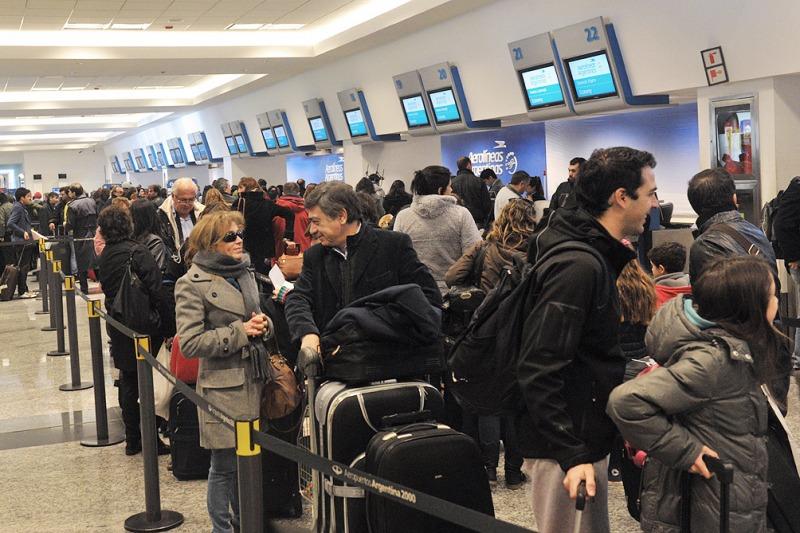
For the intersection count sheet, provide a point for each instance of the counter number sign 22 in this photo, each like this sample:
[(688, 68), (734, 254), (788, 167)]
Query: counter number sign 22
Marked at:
[(591, 34)]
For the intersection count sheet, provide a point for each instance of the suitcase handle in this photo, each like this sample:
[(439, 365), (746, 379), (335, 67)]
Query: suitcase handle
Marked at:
[(723, 471), (580, 501), (404, 419)]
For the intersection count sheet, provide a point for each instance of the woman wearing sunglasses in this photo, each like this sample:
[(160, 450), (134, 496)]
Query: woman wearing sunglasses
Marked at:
[(219, 321)]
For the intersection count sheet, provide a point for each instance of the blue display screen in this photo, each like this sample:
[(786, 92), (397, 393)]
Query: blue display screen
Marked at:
[(444, 106), (542, 87), (355, 123), (414, 110), (203, 152), (152, 160), (232, 148), (269, 138), (129, 165), (140, 163), (591, 76), (280, 134), (196, 152), (318, 129), (160, 156), (241, 144)]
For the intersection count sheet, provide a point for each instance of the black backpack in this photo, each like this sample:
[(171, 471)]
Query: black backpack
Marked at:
[(483, 359), (769, 213), (132, 305), (461, 301)]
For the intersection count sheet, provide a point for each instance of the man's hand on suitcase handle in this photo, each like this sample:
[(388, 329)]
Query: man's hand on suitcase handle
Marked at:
[(699, 466), (308, 360), (578, 474)]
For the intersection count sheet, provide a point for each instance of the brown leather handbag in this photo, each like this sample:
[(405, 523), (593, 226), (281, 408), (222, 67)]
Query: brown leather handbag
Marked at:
[(281, 394), (291, 262)]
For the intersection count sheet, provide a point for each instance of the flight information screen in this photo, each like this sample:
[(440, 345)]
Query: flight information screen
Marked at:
[(318, 129), (444, 106), (414, 111), (282, 138), (355, 123), (269, 138), (591, 76), (542, 87)]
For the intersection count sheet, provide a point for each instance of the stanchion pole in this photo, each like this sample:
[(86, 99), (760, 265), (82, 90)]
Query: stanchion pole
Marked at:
[(72, 331), (102, 438), (58, 310), (52, 297), (154, 518), (248, 459), (44, 275)]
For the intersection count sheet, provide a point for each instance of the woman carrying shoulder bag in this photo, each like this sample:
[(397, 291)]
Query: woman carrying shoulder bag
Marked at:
[(219, 321)]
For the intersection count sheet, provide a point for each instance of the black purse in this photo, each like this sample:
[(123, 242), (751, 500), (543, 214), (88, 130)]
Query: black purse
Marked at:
[(461, 301), (132, 305)]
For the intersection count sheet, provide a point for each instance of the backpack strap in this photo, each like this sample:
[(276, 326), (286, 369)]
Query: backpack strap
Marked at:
[(477, 265), (741, 240)]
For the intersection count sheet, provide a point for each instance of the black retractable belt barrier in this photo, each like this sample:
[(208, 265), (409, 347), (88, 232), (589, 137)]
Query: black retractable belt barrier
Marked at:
[(154, 518), (44, 278), (57, 308), (72, 331), (102, 438), (51, 293)]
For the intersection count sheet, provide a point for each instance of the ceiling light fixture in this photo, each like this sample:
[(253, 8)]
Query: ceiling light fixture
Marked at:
[(244, 27), (126, 26), (85, 26), (282, 27)]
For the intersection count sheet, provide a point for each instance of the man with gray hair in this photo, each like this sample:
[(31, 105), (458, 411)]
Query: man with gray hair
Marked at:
[(224, 187), (178, 214), (351, 261)]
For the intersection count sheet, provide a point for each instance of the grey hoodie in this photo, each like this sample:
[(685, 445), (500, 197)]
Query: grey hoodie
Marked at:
[(675, 279), (440, 231), (706, 393)]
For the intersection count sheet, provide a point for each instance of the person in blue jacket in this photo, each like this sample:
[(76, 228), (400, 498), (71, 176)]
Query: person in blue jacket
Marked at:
[(19, 225)]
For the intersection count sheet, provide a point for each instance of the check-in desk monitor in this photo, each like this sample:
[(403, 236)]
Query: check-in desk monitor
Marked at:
[(590, 76), (414, 111), (232, 148), (355, 123), (318, 130), (281, 137), (240, 144), (269, 138), (541, 86), (445, 109)]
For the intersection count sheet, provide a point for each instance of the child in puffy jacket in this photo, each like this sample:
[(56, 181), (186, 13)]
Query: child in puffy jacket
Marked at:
[(716, 349)]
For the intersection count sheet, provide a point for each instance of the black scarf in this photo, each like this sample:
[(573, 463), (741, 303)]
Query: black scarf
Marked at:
[(229, 268)]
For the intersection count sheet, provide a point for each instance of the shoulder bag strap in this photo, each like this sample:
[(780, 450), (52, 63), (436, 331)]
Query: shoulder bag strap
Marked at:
[(743, 241), (477, 265)]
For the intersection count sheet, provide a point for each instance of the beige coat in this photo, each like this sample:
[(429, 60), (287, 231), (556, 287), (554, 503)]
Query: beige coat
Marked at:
[(210, 314)]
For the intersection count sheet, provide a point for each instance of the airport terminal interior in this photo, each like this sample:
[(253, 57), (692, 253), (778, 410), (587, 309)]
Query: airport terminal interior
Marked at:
[(141, 93)]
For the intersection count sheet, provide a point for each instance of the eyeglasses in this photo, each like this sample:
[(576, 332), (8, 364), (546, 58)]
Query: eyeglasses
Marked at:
[(183, 200), (231, 236)]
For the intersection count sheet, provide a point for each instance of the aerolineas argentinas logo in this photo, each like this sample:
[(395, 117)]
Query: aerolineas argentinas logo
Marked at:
[(498, 158)]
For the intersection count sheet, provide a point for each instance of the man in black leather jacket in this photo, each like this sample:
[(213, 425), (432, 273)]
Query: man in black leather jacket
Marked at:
[(570, 357), (472, 191)]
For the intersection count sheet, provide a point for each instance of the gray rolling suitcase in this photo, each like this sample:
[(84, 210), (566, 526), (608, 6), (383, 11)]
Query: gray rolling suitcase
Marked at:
[(346, 418)]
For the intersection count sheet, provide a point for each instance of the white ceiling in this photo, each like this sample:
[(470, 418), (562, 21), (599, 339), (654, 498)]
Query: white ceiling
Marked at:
[(124, 79), (197, 15)]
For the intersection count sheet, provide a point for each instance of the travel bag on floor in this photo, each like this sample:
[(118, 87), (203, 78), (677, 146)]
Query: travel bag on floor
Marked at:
[(8, 282), (189, 460), (279, 476), (347, 418), (435, 460)]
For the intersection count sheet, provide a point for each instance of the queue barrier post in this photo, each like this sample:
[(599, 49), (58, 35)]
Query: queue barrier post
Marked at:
[(44, 279), (48, 255), (72, 332), (154, 518), (58, 309), (102, 437), (248, 460)]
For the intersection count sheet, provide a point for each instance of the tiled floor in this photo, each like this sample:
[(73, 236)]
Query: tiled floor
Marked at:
[(50, 483)]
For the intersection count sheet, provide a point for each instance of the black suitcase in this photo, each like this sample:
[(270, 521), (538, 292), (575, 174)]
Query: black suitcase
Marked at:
[(435, 460), (347, 418), (723, 472), (189, 460), (280, 477), (8, 282)]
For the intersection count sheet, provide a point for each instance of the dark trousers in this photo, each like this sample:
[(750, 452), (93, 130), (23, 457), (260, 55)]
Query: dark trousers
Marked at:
[(23, 258), (488, 431), (129, 404)]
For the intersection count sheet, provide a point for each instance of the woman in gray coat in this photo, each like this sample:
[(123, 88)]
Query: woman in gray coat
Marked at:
[(219, 321), (716, 349)]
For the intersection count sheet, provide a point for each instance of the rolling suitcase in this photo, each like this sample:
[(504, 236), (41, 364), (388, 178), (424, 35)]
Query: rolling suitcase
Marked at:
[(348, 417), (433, 459), (189, 460), (8, 282), (723, 472), (280, 477)]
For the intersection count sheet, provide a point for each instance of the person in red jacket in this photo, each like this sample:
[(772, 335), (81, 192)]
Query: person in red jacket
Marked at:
[(667, 261), (291, 199)]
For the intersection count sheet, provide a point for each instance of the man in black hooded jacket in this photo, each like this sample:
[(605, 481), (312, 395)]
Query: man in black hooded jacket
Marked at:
[(473, 192), (570, 358)]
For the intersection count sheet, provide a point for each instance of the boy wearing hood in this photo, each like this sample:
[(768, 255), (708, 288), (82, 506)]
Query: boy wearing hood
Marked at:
[(666, 262), (570, 358)]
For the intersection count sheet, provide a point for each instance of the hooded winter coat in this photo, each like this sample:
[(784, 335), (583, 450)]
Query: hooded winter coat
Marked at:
[(706, 393), (570, 357), (671, 285), (297, 205), (258, 213), (440, 230), (495, 260)]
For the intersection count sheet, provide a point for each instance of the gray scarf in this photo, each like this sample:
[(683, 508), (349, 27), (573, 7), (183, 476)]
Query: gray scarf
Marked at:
[(227, 267)]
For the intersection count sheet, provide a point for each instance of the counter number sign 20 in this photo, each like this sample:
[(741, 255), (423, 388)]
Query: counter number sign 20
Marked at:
[(591, 34), (442, 74)]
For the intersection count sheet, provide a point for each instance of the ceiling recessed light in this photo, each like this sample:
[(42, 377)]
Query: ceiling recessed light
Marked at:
[(244, 27), (85, 26), (281, 27), (75, 88), (126, 26)]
